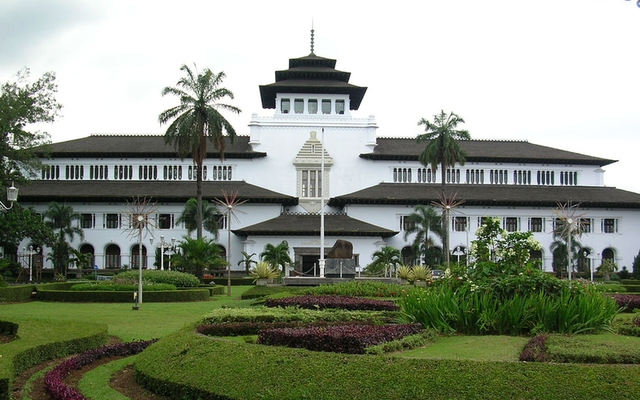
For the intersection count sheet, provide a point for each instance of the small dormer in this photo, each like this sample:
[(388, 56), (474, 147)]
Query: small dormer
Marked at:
[(312, 104)]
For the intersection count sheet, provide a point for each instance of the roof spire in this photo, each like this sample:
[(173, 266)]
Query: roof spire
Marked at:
[(312, 36)]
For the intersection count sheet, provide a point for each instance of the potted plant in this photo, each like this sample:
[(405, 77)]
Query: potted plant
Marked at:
[(421, 274), (264, 273)]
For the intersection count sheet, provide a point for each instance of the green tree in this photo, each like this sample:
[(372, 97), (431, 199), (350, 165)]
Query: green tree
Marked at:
[(561, 248), (210, 217), (443, 150), (635, 269), (247, 260), (607, 268), (276, 256), (21, 223), (198, 254), (63, 220), (196, 120), (384, 261), (24, 103), (423, 221)]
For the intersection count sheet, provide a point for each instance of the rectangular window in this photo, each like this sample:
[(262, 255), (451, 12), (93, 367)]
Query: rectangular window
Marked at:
[(511, 224), (298, 106), (326, 106), (222, 222), (609, 225), (340, 107), (285, 106), (313, 106), (112, 221), (536, 225), (165, 221), (311, 184), (460, 224), (406, 224), (87, 221)]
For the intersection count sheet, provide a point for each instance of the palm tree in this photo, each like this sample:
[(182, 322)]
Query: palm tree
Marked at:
[(423, 221), (62, 218), (210, 217), (276, 256), (443, 149), (197, 119), (384, 259), (564, 250), (247, 260), (198, 254)]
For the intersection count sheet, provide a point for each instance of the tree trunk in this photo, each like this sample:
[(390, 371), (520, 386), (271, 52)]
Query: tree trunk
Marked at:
[(199, 200)]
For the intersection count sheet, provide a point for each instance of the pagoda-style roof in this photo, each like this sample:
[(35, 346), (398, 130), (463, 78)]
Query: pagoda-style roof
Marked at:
[(503, 151), (164, 191), (137, 146), (312, 74), (492, 195), (309, 225)]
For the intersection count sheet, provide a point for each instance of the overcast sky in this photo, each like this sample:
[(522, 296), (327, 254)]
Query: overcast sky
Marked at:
[(560, 73)]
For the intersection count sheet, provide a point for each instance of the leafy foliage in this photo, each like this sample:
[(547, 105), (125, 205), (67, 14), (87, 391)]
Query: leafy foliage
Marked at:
[(341, 302), (197, 255), (358, 288), (384, 260), (210, 217), (276, 256), (178, 279), (264, 270)]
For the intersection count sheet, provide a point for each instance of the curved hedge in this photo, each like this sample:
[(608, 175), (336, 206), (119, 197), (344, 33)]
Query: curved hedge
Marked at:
[(187, 365), (179, 279), (160, 296), (46, 340)]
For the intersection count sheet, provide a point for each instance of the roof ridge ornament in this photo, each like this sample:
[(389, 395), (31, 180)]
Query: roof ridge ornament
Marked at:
[(312, 31)]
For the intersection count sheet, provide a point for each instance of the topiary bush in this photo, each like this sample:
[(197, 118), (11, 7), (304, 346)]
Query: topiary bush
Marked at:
[(178, 279)]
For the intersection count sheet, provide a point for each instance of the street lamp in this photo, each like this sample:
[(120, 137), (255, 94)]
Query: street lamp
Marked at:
[(31, 253), (164, 245), (12, 196), (458, 251), (171, 250)]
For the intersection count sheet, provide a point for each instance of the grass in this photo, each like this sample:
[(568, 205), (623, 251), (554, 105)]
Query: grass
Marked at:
[(152, 320), (478, 348), (95, 383)]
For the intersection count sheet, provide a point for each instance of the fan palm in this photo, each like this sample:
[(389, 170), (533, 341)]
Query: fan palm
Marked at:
[(196, 120), (210, 217)]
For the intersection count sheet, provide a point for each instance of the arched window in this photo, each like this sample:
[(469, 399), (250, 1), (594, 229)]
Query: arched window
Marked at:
[(135, 256), (112, 256), (88, 249)]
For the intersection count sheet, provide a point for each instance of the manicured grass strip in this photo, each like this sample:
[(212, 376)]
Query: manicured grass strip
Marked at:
[(600, 349), (478, 348), (184, 365), (95, 383)]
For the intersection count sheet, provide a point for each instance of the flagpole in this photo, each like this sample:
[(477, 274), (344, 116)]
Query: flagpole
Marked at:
[(322, 261)]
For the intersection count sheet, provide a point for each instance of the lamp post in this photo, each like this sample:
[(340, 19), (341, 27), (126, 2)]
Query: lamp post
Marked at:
[(31, 253), (458, 251), (12, 196), (171, 250)]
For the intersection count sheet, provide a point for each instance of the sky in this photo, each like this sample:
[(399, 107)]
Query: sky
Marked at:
[(559, 73)]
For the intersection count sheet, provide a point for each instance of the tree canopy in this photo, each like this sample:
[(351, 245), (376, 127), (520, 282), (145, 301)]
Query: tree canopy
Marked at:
[(24, 103)]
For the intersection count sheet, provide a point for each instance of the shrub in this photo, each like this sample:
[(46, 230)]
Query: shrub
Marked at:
[(341, 302), (535, 349), (358, 288), (252, 328), (179, 279), (263, 270), (628, 302), (115, 287)]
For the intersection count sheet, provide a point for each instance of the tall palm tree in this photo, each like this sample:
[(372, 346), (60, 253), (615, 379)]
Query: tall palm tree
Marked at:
[(443, 149), (423, 221), (247, 260), (210, 217), (197, 120), (276, 256), (62, 219)]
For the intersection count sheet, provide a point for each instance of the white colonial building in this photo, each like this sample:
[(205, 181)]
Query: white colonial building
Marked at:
[(370, 183)]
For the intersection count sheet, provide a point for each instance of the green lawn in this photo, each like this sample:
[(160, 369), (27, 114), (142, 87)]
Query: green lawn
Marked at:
[(152, 320), (478, 348)]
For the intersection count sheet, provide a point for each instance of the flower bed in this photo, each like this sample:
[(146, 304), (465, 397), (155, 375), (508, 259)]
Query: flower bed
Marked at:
[(53, 381), (341, 302), (628, 302), (350, 339), (254, 327)]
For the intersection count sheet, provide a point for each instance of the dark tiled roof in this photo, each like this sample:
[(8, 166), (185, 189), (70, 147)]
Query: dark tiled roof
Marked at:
[(136, 146), (485, 151), (170, 191), (312, 74), (493, 195), (309, 225)]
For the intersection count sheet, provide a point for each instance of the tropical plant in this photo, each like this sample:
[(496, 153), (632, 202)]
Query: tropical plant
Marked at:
[(404, 272), (20, 223), (198, 254), (276, 256), (384, 261), (607, 268), (420, 273), (569, 227), (62, 219), (196, 120), (423, 221), (560, 251), (210, 217), (264, 270), (79, 259), (247, 260)]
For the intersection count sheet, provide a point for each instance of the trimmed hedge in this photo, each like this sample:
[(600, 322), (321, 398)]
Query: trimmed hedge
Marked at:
[(185, 365), (179, 279), (312, 302), (8, 328), (162, 296), (46, 340), (15, 294)]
